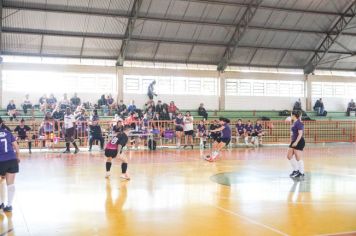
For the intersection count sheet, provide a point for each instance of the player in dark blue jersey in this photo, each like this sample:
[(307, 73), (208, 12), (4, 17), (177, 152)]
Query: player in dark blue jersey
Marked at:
[(179, 124), (257, 133), (248, 131), (240, 130), (9, 166), (202, 133)]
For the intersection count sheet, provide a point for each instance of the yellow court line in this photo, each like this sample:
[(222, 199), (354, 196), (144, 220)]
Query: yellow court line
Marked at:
[(335, 234), (250, 220)]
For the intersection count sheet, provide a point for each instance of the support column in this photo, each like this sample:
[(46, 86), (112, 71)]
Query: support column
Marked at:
[(120, 83), (221, 80), (308, 92)]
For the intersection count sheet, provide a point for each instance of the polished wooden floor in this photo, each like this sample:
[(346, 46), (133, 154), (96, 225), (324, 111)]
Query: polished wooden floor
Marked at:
[(175, 192)]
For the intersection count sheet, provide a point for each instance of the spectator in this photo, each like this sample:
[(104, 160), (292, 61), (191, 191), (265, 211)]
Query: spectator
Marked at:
[(131, 120), (111, 102), (164, 114), (103, 104), (43, 103), (297, 105), (65, 103), (188, 129), (22, 133), (257, 133), (150, 90), (94, 115), (202, 112), (172, 110), (122, 109), (57, 116), (150, 113), (75, 101), (132, 107), (95, 134), (81, 119), (47, 128), (51, 102), (159, 107), (351, 107), (27, 104), (11, 110), (319, 107)]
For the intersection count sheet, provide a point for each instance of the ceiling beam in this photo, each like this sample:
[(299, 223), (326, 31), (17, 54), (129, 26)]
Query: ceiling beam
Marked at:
[(329, 40), (239, 32), (128, 33)]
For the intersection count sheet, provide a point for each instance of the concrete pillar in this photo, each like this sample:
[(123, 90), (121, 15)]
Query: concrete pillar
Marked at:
[(308, 92), (120, 83), (221, 80)]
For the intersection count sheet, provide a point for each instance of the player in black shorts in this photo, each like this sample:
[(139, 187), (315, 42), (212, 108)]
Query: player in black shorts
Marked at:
[(114, 147), (179, 124), (22, 133), (222, 141)]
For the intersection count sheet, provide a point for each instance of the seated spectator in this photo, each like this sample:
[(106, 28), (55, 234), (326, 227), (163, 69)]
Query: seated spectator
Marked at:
[(122, 109), (111, 102), (145, 122), (94, 115), (95, 134), (164, 114), (43, 103), (75, 101), (11, 110), (150, 113), (202, 112), (64, 102), (248, 131), (131, 120), (51, 102), (159, 107), (257, 133), (22, 133), (172, 110), (319, 107), (103, 104), (297, 105), (47, 127), (27, 104), (58, 117), (132, 107), (351, 107)]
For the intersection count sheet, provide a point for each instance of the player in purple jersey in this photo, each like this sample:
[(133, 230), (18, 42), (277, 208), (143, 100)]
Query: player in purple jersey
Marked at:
[(240, 130), (257, 133), (202, 133), (222, 141), (248, 131), (9, 166), (179, 124), (296, 146)]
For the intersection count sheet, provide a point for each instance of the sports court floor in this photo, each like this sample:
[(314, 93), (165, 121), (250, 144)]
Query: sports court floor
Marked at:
[(247, 192)]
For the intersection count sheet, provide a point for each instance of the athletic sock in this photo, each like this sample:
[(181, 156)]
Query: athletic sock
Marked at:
[(108, 166), (75, 145), (29, 145), (123, 167), (294, 164), (10, 194), (246, 140), (67, 146), (301, 166), (2, 190)]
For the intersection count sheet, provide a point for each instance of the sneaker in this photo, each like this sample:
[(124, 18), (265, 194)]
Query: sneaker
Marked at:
[(89, 150), (296, 173), (125, 176), (2, 206), (299, 175), (293, 173), (76, 151), (214, 155), (66, 151), (30, 151), (8, 209), (107, 175)]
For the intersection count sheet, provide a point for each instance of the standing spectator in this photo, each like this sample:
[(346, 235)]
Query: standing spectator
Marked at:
[(65, 103), (27, 104), (75, 101), (132, 107), (297, 105), (202, 112), (11, 110), (22, 133), (159, 107), (122, 109), (103, 104), (164, 114), (43, 103), (95, 134), (81, 119), (69, 126), (150, 91), (351, 107), (51, 102), (188, 129), (319, 107), (172, 110), (58, 117)]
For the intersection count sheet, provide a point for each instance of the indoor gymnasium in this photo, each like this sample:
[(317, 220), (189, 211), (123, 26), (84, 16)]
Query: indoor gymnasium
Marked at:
[(177, 117)]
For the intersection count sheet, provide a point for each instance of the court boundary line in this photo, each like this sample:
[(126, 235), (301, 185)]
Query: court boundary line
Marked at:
[(7, 232), (251, 220), (334, 234)]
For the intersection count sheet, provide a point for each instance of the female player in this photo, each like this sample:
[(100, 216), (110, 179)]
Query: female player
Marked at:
[(257, 133), (222, 141), (296, 146), (202, 134), (240, 130), (9, 166), (178, 122), (115, 146), (248, 131)]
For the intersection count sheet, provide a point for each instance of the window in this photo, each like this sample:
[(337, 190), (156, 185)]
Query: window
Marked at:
[(252, 87), (331, 89)]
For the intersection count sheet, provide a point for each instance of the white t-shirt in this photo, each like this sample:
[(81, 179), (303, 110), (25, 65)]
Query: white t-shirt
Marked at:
[(68, 121), (188, 124)]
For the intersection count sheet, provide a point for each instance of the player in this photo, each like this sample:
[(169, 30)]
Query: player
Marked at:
[(115, 146), (202, 133), (9, 166), (188, 129), (69, 122), (257, 133), (248, 131), (179, 123), (240, 130), (222, 141), (296, 146), (22, 131)]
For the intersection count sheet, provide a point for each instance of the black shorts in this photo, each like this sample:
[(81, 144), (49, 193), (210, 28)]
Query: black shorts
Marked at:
[(224, 140), (179, 128), (69, 135), (111, 153), (150, 96), (11, 166), (189, 132), (300, 146)]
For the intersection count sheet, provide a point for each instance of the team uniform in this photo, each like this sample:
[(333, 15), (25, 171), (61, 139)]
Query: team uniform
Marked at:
[(222, 141), (257, 132), (22, 134), (225, 135), (70, 132), (179, 124), (297, 163), (202, 134), (248, 132), (111, 149), (297, 125), (240, 129)]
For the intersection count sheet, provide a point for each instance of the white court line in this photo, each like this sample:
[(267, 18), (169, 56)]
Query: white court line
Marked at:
[(342, 233), (251, 221)]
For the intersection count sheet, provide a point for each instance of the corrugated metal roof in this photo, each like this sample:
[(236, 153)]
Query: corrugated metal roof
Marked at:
[(282, 33)]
